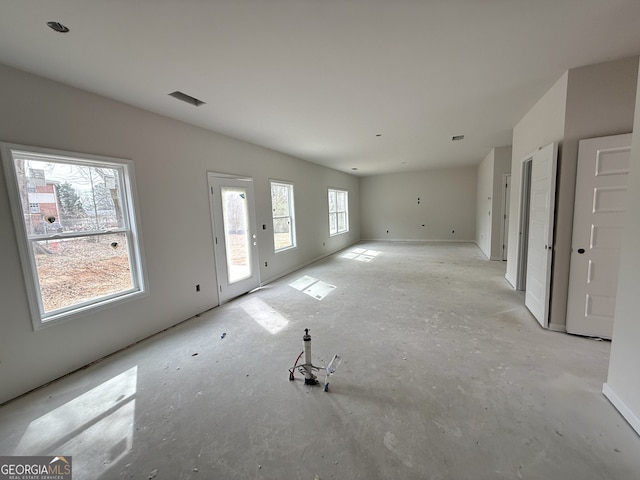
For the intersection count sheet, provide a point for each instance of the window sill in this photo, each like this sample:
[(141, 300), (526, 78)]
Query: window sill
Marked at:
[(83, 311)]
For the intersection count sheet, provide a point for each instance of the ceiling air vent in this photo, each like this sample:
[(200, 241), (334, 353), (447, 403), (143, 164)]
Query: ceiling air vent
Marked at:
[(455, 138), (57, 27), (186, 98)]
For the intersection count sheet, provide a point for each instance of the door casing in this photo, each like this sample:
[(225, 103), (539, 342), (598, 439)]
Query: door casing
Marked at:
[(504, 232), (523, 227), (226, 290)]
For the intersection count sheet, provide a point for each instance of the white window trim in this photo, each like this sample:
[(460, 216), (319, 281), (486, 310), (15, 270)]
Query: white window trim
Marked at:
[(338, 232), (130, 205), (292, 213)]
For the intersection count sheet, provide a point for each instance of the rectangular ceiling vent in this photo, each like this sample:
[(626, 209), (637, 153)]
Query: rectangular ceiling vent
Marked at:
[(186, 98), (457, 137)]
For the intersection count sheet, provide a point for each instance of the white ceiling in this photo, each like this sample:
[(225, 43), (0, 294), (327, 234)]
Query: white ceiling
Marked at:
[(319, 79)]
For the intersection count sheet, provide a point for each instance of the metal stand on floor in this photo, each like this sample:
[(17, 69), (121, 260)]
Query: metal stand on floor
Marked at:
[(307, 368)]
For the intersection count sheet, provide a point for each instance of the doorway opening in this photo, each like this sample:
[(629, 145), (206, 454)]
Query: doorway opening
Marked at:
[(506, 195), (523, 229)]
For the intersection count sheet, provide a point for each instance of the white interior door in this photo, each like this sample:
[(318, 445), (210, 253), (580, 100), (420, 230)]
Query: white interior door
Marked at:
[(541, 221), (234, 235), (601, 186)]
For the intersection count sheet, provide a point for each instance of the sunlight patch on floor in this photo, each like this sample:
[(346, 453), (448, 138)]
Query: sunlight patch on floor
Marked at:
[(313, 287), (303, 282), (96, 428), (361, 254), (264, 315)]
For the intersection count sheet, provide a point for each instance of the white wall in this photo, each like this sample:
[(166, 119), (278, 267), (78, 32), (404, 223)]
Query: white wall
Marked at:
[(489, 198), (623, 382), (542, 125), (447, 205), (600, 102), (484, 203), (501, 166), (586, 102), (171, 161)]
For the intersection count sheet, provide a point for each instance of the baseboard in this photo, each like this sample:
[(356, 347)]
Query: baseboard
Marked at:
[(414, 240), (557, 327), (291, 270), (625, 411), (510, 282)]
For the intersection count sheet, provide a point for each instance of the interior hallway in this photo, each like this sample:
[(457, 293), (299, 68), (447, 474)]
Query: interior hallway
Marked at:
[(445, 375)]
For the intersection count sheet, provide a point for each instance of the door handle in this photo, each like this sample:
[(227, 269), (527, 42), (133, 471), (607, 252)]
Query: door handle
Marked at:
[(581, 251)]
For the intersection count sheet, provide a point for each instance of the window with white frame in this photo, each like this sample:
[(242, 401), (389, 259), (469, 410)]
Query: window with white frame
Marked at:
[(338, 211), (75, 223), (284, 232)]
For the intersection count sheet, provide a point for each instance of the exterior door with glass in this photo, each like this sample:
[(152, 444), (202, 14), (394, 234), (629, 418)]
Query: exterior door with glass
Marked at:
[(234, 235)]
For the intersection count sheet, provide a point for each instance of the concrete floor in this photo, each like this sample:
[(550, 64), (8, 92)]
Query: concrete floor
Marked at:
[(445, 375)]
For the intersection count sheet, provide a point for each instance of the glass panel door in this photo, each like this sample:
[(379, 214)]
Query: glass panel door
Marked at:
[(234, 235), (235, 216)]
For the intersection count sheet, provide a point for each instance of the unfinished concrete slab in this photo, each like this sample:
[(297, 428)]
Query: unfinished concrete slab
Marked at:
[(444, 375)]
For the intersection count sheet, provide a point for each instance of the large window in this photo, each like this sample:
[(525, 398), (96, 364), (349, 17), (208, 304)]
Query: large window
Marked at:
[(338, 211), (284, 232), (75, 223)]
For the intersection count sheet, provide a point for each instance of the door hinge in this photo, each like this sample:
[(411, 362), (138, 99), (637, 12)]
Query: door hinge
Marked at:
[(220, 288), (211, 190), (216, 240)]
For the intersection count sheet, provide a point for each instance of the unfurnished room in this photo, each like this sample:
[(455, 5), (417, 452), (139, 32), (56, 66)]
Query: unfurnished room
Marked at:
[(300, 239)]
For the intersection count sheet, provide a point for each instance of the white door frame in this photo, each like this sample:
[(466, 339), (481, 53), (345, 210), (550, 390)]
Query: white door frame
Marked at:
[(523, 227), (504, 225)]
